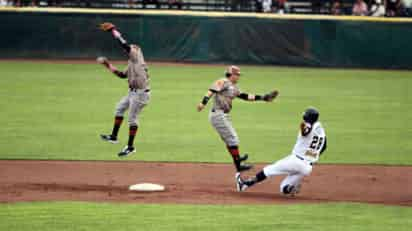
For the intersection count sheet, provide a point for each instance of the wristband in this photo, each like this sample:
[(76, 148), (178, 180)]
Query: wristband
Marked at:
[(205, 100)]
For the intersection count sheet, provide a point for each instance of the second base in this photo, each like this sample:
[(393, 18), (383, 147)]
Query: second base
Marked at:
[(147, 187)]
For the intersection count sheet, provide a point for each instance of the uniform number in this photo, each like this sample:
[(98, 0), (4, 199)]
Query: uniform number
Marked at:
[(316, 143)]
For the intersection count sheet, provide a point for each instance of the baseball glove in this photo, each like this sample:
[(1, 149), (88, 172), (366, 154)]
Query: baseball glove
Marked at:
[(107, 26), (269, 97)]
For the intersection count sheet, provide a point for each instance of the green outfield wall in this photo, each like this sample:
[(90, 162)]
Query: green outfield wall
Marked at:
[(210, 37)]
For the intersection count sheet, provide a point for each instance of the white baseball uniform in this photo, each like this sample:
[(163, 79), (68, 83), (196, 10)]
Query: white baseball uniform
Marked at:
[(299, 163)]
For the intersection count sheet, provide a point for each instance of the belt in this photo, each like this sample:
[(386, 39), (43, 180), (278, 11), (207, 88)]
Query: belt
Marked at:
[(213, 110), (135, 90), (301, 158)]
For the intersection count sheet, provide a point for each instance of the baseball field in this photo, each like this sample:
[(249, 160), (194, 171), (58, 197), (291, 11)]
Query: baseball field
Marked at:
[(56, 173)]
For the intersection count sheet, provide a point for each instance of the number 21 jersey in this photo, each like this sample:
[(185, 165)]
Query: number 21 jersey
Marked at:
[(310, 146)]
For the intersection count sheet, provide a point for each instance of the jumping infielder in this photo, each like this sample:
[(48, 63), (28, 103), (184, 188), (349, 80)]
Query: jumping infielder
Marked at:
[(139, 90), (224, 91), (310, 144)]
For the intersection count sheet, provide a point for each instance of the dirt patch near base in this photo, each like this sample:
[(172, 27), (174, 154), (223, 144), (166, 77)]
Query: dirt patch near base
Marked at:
[(194, 183)]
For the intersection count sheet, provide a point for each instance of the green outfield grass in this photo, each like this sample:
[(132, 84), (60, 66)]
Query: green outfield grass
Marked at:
[(57, 111), (93, 216)]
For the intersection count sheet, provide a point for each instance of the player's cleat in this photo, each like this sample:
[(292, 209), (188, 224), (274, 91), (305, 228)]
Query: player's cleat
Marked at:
[(240, 185), (291, 190), (243, 158), (109, 139), (127, 151), (244, 167)]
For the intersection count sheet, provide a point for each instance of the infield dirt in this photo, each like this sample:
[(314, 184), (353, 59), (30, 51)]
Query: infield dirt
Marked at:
[(194, 183)]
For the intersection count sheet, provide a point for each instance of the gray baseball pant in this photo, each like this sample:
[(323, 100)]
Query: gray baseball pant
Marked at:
[(222, 123), (135, 101)]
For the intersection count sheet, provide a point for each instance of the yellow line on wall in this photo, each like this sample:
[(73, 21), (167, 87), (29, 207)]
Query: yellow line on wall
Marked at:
[(201, 14)]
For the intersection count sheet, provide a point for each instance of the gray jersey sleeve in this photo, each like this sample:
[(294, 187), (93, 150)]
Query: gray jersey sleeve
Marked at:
[(218, 86)]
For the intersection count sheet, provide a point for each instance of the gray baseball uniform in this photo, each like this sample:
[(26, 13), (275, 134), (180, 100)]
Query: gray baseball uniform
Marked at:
[(139, 90), (225, 91)]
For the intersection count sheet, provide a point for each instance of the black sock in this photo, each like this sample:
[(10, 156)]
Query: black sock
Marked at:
[(132, 134), (117, 122), (260, 176)]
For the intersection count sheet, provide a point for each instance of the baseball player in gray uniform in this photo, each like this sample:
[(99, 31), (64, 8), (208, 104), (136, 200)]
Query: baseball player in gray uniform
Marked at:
[(139, 90), (310, 144), (224, 91)]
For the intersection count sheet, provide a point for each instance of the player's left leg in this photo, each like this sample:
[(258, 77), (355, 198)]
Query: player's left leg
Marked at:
[(223, 125), (242, 184), (231, 139), (138, 101), (280, 167)]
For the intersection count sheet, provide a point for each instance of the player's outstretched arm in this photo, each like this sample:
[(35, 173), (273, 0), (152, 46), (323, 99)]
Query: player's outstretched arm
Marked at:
[(205, 99), (123, 43), (269, 97), (105, 62), (109, 27)]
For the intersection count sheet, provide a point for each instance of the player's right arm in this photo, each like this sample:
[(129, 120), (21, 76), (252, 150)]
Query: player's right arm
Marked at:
[(105, 62), (216, 87), (205, 99)]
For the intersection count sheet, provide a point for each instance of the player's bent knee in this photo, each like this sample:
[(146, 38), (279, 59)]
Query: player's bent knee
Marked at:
[(231, 142), (118, 113)]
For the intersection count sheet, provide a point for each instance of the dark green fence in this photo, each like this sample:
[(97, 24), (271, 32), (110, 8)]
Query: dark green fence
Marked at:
[(307, 42)]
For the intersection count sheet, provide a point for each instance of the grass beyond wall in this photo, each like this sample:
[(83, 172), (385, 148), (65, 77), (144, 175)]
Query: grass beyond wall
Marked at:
[(57, 111)]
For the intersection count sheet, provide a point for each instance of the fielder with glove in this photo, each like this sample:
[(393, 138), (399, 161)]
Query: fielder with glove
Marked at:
[(139, 90), (224, 91)]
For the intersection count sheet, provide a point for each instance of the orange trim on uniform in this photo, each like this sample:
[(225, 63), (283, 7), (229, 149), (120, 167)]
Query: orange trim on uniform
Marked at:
[(234, 151), (132, 131), (118, 120)]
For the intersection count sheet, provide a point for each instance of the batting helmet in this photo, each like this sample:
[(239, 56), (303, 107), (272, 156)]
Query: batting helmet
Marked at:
[(232, 70), (311, 115)]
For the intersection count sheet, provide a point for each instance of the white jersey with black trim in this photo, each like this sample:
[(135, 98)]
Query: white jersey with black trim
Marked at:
[(309, 146)]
